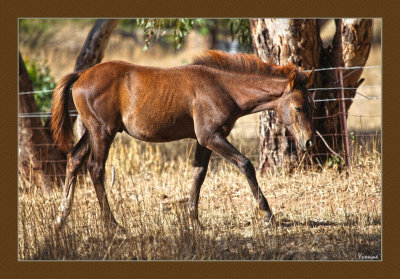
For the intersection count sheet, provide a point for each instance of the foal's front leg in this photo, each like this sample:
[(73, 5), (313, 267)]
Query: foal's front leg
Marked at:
[(200, 164), (220, 145)]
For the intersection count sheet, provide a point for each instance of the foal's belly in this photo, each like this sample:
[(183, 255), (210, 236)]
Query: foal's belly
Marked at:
[(159, 130)]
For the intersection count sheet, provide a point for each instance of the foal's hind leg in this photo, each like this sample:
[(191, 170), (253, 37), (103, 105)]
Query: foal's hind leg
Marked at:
[(76, 157), (200, 164), (100, 147)]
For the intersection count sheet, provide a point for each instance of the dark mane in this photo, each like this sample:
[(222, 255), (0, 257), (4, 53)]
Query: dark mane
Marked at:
[(241, 63)]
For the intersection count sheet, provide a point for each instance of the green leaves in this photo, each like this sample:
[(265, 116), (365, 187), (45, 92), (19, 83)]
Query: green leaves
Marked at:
[(180, 28), (148, 26), (335, 160), (241, 29), (183, 26), (177, 29), (42, 81)]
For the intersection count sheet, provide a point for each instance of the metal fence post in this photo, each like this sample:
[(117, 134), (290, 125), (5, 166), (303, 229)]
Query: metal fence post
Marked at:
[(344, 118)]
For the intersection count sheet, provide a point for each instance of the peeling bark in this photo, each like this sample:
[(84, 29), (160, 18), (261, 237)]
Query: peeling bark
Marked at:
[(356, 45)]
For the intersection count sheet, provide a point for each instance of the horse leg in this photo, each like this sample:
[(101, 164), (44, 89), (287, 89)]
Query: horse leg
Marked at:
[(100, 147), (76, 157), (220, 145), (200, 164)]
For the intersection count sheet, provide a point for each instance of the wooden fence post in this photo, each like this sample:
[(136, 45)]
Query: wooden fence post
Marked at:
[(344, 119)]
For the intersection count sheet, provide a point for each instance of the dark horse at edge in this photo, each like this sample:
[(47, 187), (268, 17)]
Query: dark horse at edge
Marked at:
[(201, 101)]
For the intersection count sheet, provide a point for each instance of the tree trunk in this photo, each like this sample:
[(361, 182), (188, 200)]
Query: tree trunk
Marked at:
[(280, 41), (93, 52), (350, 48), (39, 163), (214, 33)]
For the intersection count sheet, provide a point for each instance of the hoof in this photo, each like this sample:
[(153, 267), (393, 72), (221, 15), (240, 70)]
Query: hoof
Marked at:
[(57, 227), (121, 229), (198, 225), (195, 223), (266, 216), (120, 233), (269, 219), (115, 228)]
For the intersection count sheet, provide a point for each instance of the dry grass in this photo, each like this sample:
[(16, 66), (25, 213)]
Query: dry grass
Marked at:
[(320, 214)]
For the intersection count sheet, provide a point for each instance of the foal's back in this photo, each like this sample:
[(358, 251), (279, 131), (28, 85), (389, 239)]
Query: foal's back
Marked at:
[(149, 103)]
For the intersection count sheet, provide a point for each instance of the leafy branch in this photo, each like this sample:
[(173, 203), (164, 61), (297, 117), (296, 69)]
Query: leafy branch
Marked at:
[(179, 28)]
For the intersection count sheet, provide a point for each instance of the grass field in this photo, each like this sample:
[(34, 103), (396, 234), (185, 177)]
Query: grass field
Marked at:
[(321, 214)]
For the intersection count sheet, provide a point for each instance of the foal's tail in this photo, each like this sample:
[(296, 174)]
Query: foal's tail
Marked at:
[(61, 125)]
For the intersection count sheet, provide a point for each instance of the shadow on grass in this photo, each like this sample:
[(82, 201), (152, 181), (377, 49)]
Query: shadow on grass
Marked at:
[(186, 244), (288, 223)]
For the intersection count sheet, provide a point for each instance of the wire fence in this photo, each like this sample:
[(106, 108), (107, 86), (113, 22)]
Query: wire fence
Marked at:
[(360, 96)]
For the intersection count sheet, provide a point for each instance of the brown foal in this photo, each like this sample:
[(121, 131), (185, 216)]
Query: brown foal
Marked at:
[(200, 101)]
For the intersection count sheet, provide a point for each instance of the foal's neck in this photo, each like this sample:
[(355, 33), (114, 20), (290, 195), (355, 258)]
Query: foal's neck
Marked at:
[(254, 93)]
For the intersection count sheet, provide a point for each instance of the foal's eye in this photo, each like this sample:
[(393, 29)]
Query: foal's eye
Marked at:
[(298, 109)]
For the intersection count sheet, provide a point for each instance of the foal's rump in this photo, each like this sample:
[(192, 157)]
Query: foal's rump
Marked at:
[(148, 103)]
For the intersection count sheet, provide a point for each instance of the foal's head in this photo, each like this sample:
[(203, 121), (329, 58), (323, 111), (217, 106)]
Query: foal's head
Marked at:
[(295, 108)]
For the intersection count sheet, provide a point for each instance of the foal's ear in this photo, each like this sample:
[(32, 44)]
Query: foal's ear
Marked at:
[(292, 79), (310, 78)]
